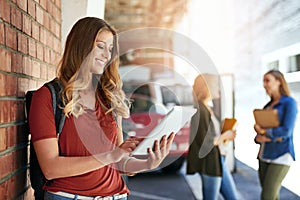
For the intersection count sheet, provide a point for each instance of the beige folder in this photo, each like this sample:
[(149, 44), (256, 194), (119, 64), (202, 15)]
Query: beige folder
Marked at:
[(266, 118)]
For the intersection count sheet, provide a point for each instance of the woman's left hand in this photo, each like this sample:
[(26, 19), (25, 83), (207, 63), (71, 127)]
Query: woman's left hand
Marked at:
[(259, 138), (160, 151)]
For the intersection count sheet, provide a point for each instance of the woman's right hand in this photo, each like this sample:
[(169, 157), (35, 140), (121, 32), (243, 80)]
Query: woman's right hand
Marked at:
[(125, 149), (258, 129), (229, 135)]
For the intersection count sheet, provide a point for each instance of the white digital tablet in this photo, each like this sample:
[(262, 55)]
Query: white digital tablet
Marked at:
[(176, 118)]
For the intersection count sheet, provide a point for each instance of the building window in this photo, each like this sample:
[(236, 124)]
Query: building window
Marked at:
[(273, 65), (294, 63)]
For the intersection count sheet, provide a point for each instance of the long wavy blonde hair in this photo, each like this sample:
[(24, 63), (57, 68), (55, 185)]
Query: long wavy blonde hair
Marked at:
[(108, 87), (284, 88)]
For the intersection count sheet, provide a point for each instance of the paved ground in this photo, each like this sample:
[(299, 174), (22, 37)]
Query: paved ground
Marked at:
[(247, 183), (160, 186)]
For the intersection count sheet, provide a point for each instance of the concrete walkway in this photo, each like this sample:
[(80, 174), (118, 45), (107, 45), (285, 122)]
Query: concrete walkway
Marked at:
[(247, 183)]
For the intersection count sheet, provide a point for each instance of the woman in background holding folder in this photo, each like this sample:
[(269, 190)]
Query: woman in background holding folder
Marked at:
[(276, 152), (208, 149)]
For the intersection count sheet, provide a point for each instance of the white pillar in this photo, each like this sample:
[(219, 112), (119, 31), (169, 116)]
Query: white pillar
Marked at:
[(72, 10)]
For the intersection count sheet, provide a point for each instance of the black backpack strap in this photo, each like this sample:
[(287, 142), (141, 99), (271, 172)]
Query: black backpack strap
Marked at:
[(36, 176), (56, 88)]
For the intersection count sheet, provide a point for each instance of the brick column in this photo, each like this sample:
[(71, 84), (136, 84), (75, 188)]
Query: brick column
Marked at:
[(30, 46)]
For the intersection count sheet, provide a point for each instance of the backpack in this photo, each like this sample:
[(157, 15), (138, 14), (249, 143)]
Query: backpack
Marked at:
[(37, 177)]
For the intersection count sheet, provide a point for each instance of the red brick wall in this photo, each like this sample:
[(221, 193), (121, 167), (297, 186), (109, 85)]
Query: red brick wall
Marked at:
[(30, 46)]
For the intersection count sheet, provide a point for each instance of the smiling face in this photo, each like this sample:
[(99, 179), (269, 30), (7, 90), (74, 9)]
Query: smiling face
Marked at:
[(102, 51), (271, 84)]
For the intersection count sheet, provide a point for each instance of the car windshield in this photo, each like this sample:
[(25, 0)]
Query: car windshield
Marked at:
[(141, 105), (177, 95), (131, 89)]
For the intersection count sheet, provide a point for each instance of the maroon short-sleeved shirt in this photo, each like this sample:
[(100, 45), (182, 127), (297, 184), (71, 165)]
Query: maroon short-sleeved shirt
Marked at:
[(90, 133)]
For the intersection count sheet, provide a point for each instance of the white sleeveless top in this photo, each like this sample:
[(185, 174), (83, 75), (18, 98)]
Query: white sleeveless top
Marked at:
[(223, 147)]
